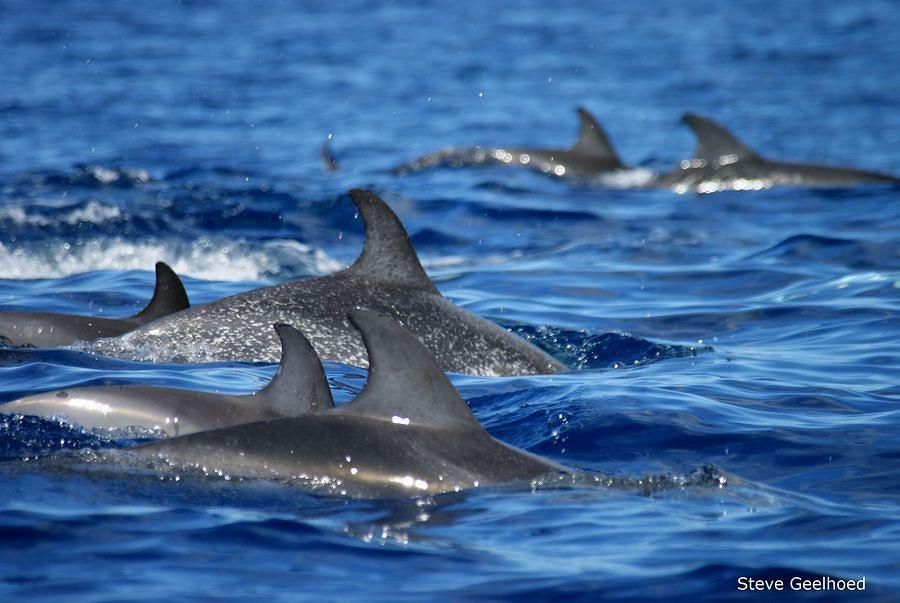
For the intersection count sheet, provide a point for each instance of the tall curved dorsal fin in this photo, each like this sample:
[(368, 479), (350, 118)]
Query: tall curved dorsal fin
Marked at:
[(405, 383), (714, 141), (168, 296), (299, 387), (592, 139), (388, 254)]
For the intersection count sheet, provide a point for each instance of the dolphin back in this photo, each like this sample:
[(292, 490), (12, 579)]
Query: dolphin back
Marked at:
[(48, 330), (298, 388), (408, 433)]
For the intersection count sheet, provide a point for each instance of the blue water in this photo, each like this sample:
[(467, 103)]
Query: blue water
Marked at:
[(752, 335)]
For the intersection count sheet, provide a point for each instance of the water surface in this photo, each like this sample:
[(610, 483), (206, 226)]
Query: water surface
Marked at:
[(755, 332)]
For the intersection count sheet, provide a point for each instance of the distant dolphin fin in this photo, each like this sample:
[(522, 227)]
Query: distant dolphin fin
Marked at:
[(169, 296), (405, 383), (388, 254), (592, 139), (714, 141), (299, 387), (328, 159)]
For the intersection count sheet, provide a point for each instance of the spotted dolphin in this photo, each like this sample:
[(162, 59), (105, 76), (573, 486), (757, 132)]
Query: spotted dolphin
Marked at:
[(387, 277), (722, 162), (48, 330), (407, 434), (591, 155), (298, 387)]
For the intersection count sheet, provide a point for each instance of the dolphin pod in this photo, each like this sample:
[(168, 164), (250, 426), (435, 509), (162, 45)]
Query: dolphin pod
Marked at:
[(591, 155), (720, 162), (46, 330), (297, 388), (408, 433), (387, 277)]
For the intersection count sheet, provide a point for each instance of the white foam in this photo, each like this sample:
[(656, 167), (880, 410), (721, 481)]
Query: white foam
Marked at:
[(92, 212), (111, 175), (454, 261), (221, 260), (628, 178)]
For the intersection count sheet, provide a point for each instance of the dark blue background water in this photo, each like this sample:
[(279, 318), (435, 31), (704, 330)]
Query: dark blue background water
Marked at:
[(755, 332)]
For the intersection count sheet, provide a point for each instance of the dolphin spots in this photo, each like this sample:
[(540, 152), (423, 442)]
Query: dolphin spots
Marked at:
[(387, 277)]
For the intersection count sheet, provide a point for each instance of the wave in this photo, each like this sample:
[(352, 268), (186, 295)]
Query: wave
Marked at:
[(817, 249), (583, 350), (207, 258), (92, 212), (88, 176)]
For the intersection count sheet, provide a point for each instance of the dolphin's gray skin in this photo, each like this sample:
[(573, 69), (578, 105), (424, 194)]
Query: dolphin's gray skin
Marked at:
[(387, 277), (48, 330), (591, 155), (299, 387), (407, 434), (722, 162)]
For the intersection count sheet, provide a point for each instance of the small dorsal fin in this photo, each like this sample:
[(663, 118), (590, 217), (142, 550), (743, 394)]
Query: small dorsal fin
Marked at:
[(388, 254), (714, 141), (169, 295), (405, 383), (299, 387), (592, 139), (329, 161)]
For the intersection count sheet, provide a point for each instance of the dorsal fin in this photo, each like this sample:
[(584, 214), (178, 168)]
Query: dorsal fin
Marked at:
[(405, 383), (329, 161), (168, 296), (299, 387), (714, 141), (592, 139), (387, 255)]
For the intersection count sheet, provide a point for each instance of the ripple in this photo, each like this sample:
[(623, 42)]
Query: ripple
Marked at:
[(582, 350)]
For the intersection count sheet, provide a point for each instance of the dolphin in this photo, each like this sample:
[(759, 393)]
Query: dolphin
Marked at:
[(591, 155), (298, 387), (48, 330), (387, 277), (407, 434), (722, 162)]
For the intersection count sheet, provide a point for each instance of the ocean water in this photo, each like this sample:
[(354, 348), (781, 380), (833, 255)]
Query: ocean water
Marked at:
[(745, 344)]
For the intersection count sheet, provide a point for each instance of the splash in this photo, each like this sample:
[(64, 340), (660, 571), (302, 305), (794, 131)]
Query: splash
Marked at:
[(211, 259)]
